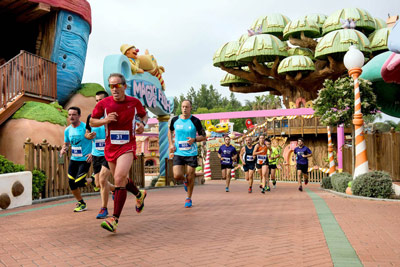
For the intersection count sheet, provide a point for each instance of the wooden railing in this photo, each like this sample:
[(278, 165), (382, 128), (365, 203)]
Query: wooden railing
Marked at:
[(46, 157), (27, 74), (152, 169)]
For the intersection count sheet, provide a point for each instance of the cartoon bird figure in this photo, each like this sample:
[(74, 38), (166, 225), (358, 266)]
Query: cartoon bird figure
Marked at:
[(348, 23), (222, 128), (209, 126)]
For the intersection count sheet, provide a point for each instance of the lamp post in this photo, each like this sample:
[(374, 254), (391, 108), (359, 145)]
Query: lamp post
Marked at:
[(354, 60)]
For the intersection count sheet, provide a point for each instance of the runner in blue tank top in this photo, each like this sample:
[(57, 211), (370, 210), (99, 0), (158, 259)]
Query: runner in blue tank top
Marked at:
[(101, 170), (184, 148), (227, 154), (249, 162)]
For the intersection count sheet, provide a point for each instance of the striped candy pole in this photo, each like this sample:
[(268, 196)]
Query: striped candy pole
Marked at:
[(207, 168), (233, 173), (361, 166), (332, 167)]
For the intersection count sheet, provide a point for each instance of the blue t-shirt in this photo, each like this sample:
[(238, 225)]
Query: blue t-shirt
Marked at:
[(80, 146), (99, 142), (184, 129), (227, 152), (299, 154)]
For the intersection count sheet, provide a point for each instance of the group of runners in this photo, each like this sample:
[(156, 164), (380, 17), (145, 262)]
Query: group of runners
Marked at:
[(107, 140), (263, 157)]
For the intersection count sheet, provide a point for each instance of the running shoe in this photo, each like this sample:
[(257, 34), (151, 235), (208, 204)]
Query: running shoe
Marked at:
[(263, 190), (80, 207), (140, 201), (185, 184), (300, 188), (110, 224), (274, 183), (305, 181), (226, 189), (250, 190), (102, 213), (188, 203), (268, 188)]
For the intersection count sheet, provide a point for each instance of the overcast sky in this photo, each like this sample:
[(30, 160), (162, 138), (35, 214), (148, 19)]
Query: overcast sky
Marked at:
[(183, 35)]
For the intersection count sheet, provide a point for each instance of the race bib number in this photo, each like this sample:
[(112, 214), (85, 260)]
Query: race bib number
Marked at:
[(100, 144), (184, 145), (261, 159), (76, 151), (119, 137), (249, 158), (226, 160)]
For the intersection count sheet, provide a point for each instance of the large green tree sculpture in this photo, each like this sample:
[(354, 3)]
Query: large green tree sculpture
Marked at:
[(294, 58)]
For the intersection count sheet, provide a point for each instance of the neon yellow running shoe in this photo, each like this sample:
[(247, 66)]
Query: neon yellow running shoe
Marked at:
[(140, 201), (80, 207), (110, 224)]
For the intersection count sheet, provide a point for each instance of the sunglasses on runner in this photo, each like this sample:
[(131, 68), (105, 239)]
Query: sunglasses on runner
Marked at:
[(116, 85)]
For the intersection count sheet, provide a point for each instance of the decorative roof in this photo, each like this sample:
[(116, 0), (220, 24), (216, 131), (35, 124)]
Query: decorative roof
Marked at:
[(318, 18), (363, 19), (243, 38), (226, 54), (263, 46), (303, 24), (380, 23), (339, 41), (271, 24), (231, 79), (295, 63), (300, 51), (379, 39)]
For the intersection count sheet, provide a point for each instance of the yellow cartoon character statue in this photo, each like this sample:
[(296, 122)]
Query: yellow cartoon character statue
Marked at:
[(149, 64), (130, 51)]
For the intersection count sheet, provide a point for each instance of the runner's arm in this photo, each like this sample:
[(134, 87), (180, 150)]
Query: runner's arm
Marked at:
[(255, 150), (64, 148)]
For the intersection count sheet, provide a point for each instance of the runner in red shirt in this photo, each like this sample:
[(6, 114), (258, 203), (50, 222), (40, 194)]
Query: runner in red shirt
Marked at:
[(123, 116)]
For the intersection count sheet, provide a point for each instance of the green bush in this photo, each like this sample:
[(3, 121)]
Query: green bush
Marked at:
[(326, 182), (7, 166), (38, 183), (373, 184), (340, 181)]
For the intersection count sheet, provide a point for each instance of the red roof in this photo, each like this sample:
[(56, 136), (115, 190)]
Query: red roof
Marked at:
[(80, 7)]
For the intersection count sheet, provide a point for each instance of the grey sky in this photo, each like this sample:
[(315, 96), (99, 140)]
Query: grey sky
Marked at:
[(183, 35)]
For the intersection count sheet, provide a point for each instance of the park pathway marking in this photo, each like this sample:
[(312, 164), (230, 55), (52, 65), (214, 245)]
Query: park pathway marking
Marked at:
[(342, 253)]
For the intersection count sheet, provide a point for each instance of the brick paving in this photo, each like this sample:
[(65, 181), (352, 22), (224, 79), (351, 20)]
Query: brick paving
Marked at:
[(279, 228)]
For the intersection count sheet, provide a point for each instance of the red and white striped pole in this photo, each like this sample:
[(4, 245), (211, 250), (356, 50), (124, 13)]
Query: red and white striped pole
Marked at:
[(332, 166), (207, 168)]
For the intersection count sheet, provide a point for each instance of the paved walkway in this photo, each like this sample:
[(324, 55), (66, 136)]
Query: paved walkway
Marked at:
[(280, 228)]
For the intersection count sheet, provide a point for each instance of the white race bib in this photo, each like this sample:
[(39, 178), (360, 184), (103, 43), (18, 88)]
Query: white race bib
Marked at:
[(249, 158), (119, 137), (184, 145), (76, 151), (226, 160), (100, 144), (261, 159)]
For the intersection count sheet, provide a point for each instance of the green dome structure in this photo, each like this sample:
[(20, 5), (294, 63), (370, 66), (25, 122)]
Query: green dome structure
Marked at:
[(226, 54), (380, 23), (318, 18), (364, 20), (271, 24), (339, 41), (265, 47), (296, 63), (379, 40), (243, 38), (232, 79), (300, 51), (303, 24)]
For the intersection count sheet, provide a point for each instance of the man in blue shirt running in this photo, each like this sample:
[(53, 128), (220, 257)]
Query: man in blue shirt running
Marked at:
[(302, 154), (184, 147), (227, 154), (101, 170), (81, 157)]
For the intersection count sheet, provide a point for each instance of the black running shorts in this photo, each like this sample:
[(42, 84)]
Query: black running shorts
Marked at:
[(77, 172), (182, 160), (98, 162)]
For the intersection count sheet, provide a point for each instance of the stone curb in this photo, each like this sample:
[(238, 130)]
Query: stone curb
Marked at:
[(358, 197)]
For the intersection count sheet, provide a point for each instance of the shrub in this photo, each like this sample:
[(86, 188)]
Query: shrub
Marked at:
[(326, 182), (340, 181), (7, 166), (38, 182), (373, 184)]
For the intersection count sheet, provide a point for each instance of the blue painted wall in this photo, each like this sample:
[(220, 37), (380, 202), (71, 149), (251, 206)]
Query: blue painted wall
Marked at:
[(69, 52)]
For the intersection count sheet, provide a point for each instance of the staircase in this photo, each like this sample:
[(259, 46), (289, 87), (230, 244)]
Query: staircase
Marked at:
[(26, 77)]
